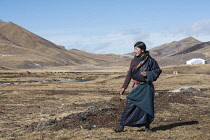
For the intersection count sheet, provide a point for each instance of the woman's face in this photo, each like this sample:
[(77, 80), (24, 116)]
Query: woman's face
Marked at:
[(138, 51)]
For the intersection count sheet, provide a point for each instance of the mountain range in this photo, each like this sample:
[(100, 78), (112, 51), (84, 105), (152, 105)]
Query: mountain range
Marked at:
[(22, 49), (178, 52)]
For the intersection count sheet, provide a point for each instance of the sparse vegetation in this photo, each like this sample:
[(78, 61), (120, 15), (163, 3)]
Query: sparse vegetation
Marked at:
[(38, 111)]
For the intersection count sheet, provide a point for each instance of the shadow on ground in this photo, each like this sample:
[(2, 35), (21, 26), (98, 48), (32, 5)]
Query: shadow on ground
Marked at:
[(170, 126)]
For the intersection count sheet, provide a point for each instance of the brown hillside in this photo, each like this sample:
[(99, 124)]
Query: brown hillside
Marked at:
[(104, 60), (33, 47), (203, 47), (45, 48), (178, 52), (15, 56), (25, 38), (2, 22), (3, 39), (23, 49), (174, 47)]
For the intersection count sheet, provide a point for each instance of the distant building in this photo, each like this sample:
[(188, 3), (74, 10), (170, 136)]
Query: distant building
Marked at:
[(195, 61)]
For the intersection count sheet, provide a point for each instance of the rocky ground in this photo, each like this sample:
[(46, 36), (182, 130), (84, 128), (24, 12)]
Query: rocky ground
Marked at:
[(90, 109)]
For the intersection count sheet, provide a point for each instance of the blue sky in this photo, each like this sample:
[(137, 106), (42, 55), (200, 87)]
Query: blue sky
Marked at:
[(110, 26)]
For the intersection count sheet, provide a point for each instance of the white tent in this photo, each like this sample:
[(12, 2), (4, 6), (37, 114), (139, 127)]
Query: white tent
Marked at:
[(196, 61)]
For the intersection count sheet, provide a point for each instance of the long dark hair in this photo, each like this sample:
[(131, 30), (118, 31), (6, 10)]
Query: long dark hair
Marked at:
[(140, 45)]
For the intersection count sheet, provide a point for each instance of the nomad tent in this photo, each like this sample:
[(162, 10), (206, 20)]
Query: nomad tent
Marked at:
[(195, 61)]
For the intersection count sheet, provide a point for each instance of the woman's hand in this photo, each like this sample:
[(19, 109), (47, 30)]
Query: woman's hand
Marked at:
[(144, 74), (122, 91)]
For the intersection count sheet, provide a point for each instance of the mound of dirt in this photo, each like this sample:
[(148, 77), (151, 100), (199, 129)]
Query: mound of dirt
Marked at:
[(3, 68), (108, 113)]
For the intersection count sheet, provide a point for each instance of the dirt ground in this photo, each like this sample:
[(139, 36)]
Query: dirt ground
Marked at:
[(36, 105)]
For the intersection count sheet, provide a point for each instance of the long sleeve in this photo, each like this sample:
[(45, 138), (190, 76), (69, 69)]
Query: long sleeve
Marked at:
[(128, 77)]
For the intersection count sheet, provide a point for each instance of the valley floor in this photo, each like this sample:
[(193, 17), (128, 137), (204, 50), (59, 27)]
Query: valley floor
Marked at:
[(26, 109)]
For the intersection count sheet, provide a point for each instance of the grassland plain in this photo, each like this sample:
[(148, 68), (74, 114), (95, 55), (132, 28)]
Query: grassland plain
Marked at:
[(30, 98)]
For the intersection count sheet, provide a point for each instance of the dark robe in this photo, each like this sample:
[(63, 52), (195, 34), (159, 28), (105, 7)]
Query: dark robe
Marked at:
[(139, 108)]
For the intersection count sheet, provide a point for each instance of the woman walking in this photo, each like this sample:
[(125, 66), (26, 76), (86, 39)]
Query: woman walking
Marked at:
[(139, 110)]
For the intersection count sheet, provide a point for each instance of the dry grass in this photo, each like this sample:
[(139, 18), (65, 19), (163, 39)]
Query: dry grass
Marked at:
[(21, 105)]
